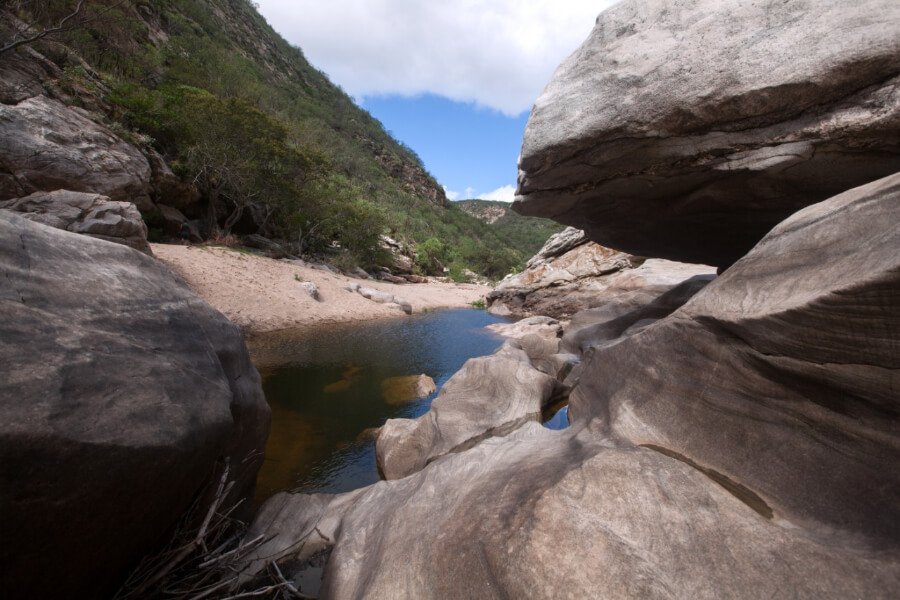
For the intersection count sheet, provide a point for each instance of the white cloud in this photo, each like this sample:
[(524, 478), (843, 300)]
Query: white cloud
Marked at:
[(451, 195), (497, 53), (507, 193)]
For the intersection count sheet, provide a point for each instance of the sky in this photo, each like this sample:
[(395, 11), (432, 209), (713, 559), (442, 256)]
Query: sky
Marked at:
[(453, 79)]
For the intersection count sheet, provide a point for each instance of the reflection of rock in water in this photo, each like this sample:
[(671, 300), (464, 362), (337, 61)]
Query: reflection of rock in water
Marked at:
[(399, 390)]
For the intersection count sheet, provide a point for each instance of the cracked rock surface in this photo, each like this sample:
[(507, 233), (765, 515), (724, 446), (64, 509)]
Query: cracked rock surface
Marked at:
[(686, 129), (88, 214)]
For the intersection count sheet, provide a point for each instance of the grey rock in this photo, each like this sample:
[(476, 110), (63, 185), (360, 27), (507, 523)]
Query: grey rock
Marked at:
[(359, 273), (46, 146), (490, 396), (781, 374), (687, 129), (121, 392), (168, 189), (312, 289), (537, 512), (375, 295), (570, 274), (89, 214), (21, 75), (557, 245), (539, 325)]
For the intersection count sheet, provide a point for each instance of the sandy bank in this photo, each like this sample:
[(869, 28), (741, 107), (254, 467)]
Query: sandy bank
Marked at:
[(261, 294)]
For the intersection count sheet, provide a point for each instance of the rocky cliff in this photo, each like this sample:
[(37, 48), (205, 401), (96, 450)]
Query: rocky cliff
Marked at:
[(729, 437)]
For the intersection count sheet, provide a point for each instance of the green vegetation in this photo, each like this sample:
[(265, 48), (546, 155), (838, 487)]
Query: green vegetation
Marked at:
[(526, 234), (272, 145), (479, 304)]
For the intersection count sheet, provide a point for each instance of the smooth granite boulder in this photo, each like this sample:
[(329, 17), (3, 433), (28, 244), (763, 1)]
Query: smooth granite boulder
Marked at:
[(89, 214), (687, 129), (122, 393), (46, 145)]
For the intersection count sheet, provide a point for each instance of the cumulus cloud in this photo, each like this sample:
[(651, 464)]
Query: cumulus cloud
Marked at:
[(496, 53), (507, 193), (451, 195)]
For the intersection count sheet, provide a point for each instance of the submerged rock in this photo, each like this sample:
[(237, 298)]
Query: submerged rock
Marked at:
[(121, 394), (688, 129), (90, 214), (406, 388)]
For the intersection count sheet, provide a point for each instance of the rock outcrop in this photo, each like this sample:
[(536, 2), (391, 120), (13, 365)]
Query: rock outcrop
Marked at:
[(742, 446), (89, 214), (688, 129), (800, 338), (122, 394), (571, 274), (490, 396), (46, 146)]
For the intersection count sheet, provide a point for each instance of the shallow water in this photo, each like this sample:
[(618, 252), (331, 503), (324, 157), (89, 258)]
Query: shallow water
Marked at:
[(325, 390)]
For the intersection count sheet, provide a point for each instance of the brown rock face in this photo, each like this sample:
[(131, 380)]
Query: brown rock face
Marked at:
[(686, 130), (46, 146), (89, 214), (120, 393), (572, 274)]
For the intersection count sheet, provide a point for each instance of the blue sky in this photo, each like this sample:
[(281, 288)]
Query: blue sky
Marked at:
[(453, 79), (472, 150)]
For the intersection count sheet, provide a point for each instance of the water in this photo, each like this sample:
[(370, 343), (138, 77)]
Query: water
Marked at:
[(325, 390)]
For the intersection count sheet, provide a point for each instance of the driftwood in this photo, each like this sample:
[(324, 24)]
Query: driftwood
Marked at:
[(202, 561)]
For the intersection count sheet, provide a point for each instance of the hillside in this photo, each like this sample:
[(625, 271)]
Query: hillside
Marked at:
[(525, 234), (266, 142)]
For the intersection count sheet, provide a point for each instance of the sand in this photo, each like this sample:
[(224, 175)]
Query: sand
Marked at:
[(262, 294)]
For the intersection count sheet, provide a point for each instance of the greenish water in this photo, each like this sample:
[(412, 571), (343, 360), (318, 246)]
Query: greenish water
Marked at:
[(325, 390)]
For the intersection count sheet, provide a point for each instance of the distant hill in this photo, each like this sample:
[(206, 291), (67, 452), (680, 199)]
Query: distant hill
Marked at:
[(272, 146), (525, 234)]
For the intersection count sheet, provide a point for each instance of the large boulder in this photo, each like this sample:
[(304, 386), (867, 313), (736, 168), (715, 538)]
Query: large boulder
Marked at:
[(490, 396), (687, 129), (46, 145), (571, 274), (783, 373), (121, 392), (744, 446), (90, 214)]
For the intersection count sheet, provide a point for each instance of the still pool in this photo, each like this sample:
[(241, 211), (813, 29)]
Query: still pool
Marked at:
[(325, 390)]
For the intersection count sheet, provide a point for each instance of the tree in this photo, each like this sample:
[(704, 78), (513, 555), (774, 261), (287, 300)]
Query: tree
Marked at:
[(26, 17)]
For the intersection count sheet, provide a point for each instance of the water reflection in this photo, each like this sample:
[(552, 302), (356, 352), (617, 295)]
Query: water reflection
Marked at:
[(325, 390)]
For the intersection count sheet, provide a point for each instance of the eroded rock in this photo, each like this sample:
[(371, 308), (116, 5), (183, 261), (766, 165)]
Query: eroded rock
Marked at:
[(644, 139), (90, 214), (490, 396), (799, 338), (46, 146), (742, 446), (571, 274), (121, 392)]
